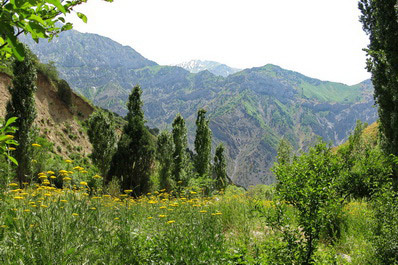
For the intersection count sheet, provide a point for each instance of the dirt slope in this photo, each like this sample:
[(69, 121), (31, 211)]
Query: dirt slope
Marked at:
[(56, 121)]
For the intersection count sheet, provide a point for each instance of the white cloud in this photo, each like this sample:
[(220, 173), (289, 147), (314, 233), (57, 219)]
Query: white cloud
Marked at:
[(319, 38)]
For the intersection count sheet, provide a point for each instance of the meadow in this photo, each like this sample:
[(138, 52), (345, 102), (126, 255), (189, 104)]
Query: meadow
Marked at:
[(76, 224)]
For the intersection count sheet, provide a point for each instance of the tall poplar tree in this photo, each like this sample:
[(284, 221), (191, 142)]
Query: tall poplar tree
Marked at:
[(220, 168), (102, 135), (379, 19), (135, 154), (202, 144), (165, 149), (180, 158), (22, 106)]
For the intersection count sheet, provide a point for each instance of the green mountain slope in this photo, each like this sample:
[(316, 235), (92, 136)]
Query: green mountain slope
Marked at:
[(250, 110)]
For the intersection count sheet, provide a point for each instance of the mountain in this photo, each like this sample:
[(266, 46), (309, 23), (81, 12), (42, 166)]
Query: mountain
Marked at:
[(196, 66), (250, 110)]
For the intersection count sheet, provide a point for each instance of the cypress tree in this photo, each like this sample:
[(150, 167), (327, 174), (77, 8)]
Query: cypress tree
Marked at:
[(285, 152), (202, 144), (134, 157), (180, 163), (22, 106), (164, 152), (102, 135), (379, 19), (220, 168)]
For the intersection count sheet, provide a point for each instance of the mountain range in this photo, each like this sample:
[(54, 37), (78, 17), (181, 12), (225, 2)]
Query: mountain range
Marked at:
[(250, 110)]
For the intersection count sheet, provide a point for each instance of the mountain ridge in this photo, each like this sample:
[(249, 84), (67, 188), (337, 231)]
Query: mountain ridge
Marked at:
[(250, 110), (216, 68)]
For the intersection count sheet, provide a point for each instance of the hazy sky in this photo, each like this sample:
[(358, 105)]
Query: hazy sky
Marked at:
[(319, 38)]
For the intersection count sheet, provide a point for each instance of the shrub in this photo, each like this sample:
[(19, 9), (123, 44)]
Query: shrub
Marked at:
[(64, 92), (309, 183)]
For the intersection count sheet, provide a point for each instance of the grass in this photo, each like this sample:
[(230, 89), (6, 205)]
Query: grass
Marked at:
[(42, 224)]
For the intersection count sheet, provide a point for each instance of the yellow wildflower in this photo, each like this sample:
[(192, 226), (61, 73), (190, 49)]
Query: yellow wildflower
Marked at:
[(36, 145), (203, 211), (68, 161), (161, 215), (75, 214), (13, 185), (83, 183), (12, 148), (128, 191), (171, 221)]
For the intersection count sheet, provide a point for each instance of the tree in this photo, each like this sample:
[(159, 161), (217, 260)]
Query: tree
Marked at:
[(180, 159), (165, 149), (38, 18), (310, 184), (22, 106), (102, 135), (285, 151), (379, 20), (133, 160), (220, 168), (202, 144)]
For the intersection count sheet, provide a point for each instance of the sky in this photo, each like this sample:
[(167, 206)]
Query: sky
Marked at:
[(319, 38)]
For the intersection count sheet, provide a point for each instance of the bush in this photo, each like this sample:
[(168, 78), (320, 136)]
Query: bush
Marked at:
[(385, 206), (64, 92), (310, 184)]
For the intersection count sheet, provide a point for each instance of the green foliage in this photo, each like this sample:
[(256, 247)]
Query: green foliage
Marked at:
[(164, 154), (380, 22), (64, 92), (285, 152), (41, 155), (102, 134), (309, 183), (6, 139), (37, 18), (180, 158), (22, 106), (134, 157), (49, 70), (385, 205), (366, 167), (202, 144), (220, 168)]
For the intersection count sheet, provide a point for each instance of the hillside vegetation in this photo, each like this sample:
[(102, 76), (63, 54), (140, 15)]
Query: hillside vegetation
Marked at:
[(250, 111)]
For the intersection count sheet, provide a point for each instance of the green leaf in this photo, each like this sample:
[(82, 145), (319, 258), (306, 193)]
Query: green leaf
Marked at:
[(12, 160), (37, 19), (57, 4), (10, 120), (16, 47), (82, 17)]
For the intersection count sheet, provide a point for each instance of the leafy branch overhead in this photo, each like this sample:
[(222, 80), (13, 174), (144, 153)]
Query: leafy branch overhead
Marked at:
[(39, 18)]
